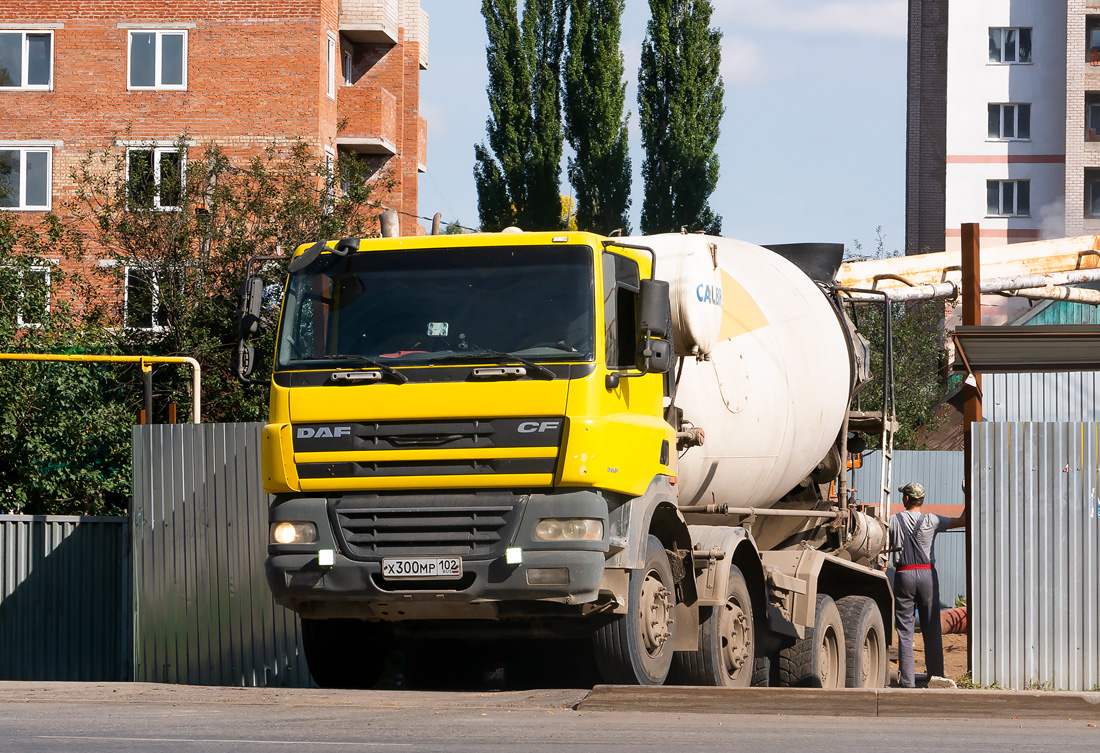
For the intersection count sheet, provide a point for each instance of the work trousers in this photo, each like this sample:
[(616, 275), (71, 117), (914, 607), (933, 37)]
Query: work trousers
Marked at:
[(918, 591)]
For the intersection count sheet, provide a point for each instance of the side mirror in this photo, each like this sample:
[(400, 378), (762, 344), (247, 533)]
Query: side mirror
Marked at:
[(307, 257), (655, 357), (248, 306), (244, 360), (654, 310)]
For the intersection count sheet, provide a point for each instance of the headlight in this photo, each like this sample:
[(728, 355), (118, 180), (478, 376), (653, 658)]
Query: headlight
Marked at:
[(293, 533), (569, 529)]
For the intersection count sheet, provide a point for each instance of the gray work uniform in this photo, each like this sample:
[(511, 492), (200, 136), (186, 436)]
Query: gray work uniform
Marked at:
[(917, 589)]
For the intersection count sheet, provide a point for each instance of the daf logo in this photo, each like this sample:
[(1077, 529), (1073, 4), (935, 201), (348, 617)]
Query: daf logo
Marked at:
[(304, 432), (532, 427)]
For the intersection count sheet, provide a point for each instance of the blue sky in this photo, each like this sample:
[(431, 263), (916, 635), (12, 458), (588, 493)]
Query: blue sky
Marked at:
[(813, 140)]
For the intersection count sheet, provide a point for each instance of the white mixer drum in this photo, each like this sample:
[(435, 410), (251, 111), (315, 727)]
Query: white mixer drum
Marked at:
[(772, 395)]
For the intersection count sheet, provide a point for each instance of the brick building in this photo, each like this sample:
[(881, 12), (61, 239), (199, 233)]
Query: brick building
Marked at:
[(1004, 120), (243, 75)]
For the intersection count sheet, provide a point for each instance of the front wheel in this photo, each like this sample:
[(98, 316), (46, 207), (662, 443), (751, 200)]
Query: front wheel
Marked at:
[(636, 648)]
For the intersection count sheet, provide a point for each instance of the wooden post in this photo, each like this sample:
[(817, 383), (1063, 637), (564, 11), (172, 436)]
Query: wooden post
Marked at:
[(972, 408), (171, 413)]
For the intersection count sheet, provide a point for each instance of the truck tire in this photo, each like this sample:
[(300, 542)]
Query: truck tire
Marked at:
[(727, 642), (635, 648), (344, 653), (818, 660), (865, 642)]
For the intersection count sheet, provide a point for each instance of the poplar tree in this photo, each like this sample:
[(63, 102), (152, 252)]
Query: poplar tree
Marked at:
[(594, 121), (517, 175), (679, 109)]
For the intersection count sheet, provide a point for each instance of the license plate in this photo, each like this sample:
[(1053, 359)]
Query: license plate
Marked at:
[(422, 567)]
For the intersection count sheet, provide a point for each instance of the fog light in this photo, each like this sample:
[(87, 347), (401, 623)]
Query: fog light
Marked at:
[(293, 533), (569, 529), (548, 576)]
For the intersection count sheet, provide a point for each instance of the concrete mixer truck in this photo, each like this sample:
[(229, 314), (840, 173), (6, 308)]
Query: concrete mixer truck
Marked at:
[(631, 443)]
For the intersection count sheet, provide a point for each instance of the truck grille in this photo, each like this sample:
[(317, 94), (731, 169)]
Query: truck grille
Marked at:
[(497, 452), (370, 527)]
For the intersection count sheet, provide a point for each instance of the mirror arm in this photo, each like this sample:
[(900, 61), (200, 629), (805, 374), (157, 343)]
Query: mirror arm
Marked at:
[(611, 381)]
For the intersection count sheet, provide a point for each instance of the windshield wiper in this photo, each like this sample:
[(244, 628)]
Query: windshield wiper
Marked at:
[(495, 356), (358, 361)]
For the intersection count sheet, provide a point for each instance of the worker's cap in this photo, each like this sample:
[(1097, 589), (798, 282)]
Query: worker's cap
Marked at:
[(912, 489)]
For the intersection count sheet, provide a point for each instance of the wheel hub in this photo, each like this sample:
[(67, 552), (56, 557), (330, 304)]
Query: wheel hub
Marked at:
[(830, 659), (657, 613), (736, 637)]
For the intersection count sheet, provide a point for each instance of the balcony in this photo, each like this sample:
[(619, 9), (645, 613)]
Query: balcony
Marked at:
[(371, 114), (370, 21)]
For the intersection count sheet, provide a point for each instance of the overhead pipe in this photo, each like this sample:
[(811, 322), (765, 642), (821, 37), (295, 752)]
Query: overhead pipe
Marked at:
[(144, 361), (932, 290)]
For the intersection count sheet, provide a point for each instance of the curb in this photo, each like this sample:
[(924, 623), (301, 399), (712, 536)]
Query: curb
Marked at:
[(883, 702)]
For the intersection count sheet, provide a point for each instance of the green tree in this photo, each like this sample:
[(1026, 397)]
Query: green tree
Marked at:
[(919, 354), (679, 110), (517, 176), (62, 426), (594, 122), (179, 239)]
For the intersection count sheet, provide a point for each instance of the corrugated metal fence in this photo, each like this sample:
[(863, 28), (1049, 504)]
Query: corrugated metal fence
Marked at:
[(64, 598), (1036, 543), (204, 614), (941, 473)]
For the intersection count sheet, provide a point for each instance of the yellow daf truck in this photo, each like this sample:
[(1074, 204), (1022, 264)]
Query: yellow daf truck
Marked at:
[(624, 441)]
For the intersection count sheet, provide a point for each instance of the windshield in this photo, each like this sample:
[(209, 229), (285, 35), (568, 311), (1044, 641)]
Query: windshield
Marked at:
[(421, 305)]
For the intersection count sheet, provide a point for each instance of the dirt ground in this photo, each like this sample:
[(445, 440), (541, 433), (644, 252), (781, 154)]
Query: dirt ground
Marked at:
[(954, 655)]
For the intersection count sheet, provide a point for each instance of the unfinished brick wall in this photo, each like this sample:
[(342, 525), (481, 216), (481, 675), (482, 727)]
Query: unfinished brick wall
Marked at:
[(256, 75)]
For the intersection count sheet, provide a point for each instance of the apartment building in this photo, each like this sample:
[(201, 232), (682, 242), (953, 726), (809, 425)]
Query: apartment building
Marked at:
[(338, 74), (1001, 98)]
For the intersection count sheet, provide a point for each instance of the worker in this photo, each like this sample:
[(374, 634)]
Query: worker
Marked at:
[(916, 585)]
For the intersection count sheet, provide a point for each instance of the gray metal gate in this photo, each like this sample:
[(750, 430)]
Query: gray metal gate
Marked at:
[(203, 612), (64, 598), (1035, 551)]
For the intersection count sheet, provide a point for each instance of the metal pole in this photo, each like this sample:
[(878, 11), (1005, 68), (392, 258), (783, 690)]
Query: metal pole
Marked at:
[(147, 378), (972, 409)]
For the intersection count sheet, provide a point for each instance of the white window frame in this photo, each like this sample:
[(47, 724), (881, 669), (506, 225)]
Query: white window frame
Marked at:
[(19, 320), (154, 279), (23, 148), (157, 85), (348, 71), (330, 61), (158, 149), (1015, 121), (25, 49), (1031, 39), (1015, 197), (330, 177)]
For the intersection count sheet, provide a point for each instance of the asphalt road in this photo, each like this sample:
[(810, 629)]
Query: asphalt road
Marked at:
[(96, 717)]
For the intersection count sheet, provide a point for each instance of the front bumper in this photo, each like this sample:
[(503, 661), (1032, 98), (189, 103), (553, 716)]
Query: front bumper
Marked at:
[(353, 585)]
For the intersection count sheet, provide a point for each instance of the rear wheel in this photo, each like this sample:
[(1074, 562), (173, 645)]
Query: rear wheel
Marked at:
[(635, 648), (865, 642), (727, 641), (818, 659), (344, 653)]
